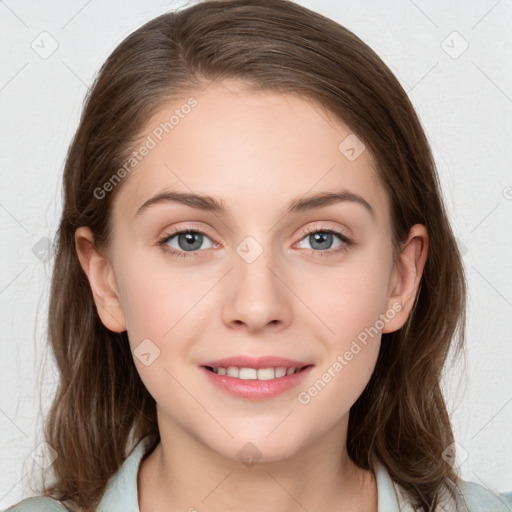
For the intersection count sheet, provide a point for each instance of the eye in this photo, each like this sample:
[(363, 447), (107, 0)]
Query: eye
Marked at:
[(186, 241), (321, 239)]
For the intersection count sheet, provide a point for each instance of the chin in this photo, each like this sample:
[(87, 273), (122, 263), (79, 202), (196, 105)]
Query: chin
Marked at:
[(251, 450)]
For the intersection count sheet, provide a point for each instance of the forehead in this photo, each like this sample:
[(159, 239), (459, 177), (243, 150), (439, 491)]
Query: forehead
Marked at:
[(254, 150)]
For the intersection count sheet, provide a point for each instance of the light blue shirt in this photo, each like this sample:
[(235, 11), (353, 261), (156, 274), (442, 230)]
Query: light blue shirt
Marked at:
[(121, 493)]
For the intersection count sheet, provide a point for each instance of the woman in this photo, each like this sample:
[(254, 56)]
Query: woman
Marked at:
[(249, 304)]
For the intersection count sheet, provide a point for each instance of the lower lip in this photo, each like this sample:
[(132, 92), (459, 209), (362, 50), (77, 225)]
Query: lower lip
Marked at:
[(253, 389)]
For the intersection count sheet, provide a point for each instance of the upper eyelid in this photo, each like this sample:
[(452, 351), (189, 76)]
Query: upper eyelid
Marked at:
[(326, 227)]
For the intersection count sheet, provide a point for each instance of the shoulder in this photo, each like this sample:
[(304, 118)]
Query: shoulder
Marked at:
[(481, 499), (38, 504)]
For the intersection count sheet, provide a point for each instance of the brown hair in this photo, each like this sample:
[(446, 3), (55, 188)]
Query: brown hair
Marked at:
[(101, 404)]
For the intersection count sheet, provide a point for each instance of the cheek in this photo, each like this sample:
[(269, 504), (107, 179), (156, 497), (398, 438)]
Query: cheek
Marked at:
[(156, 298), (351, 316), (347, 299), (159, 304), (349, 304)]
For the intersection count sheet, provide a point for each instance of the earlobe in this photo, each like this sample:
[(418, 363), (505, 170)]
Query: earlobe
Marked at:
[(100, 275), (406, 276)]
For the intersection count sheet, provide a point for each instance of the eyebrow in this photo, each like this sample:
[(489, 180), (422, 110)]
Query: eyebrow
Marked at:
[(301, 204)]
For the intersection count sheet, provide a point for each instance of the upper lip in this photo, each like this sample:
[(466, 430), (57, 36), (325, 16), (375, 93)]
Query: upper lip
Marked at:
[(256, 362)]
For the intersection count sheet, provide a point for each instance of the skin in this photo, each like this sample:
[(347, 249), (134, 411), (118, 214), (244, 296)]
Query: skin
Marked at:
[(256, 151)]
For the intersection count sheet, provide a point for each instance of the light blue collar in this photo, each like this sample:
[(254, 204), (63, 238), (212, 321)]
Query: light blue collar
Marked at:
[(121, 494)]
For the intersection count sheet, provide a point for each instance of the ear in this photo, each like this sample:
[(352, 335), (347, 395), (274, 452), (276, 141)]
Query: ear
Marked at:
[(406, 276), (102, 280)]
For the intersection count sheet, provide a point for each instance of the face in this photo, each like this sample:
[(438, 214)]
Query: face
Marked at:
[(268, 273)]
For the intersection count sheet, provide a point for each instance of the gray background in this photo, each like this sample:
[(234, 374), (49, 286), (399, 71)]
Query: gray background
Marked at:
[(463, 97)]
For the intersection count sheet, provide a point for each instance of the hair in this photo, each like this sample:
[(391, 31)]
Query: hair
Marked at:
[(269, 45)]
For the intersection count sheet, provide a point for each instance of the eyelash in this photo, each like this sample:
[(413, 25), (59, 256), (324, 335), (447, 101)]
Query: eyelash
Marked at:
[(347, 242)]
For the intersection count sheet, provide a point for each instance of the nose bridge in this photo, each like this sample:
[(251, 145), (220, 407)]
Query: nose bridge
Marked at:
[(253, 261), (255, 266)]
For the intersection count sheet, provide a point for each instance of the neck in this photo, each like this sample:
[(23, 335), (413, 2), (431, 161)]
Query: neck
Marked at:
[(183, 474)]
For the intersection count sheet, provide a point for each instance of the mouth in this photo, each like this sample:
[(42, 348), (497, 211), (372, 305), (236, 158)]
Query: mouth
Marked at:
[(249, 383)]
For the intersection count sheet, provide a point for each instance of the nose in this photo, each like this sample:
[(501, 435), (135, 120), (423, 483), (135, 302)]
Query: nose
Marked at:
[(256, 295)]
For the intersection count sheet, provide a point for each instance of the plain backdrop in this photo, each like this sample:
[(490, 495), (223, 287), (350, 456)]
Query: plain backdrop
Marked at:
[(452, 58)]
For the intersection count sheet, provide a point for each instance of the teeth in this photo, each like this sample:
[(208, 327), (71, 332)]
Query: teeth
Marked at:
[(255, 373)]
